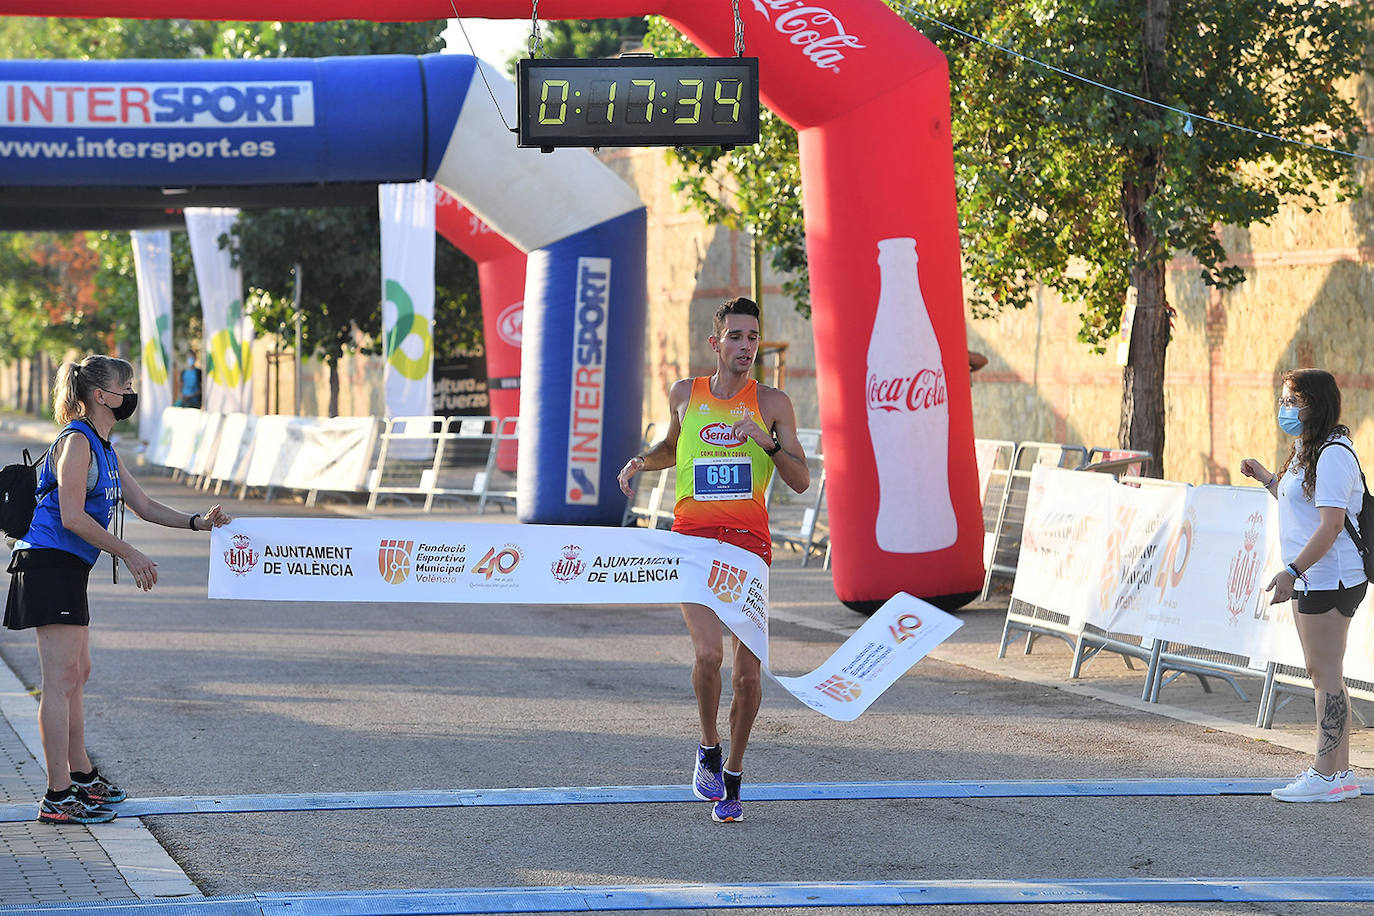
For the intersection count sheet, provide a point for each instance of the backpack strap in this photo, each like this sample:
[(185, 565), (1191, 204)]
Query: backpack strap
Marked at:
[(1350, 529), (68, 431)]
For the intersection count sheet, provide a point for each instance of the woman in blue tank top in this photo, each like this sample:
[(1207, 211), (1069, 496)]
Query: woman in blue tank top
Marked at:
[(80, 484)]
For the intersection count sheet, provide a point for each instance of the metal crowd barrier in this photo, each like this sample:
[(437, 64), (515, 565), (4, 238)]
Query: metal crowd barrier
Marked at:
[(994, 457), (1006, 539), (456, 458), (1287, 682)]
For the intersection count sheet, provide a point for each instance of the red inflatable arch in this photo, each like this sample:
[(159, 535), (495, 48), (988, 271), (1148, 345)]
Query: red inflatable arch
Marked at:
[(501, 279), (870, 98)]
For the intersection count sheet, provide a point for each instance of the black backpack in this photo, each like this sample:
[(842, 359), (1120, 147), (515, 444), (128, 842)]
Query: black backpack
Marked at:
[(1365, 515), (19, 495)]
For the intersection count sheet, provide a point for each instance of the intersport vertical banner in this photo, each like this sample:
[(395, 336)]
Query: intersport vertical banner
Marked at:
[(407, 219), (228, 328), (153, 268)]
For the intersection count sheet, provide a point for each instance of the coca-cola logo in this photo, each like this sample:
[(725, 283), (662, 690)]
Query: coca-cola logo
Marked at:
[(922, 391), (720, 434), (510, 323), (818, 32)]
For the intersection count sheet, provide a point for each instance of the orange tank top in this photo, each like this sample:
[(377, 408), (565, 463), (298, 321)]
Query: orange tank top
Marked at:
[(721, 479)]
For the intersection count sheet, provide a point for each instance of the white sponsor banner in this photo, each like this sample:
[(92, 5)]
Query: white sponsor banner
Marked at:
[(255, 104), (1211, 577), (407, 226), (1187, 565), (897, 636), (1064, 543), (290, 559), (228, 329), (153, 269), (591, 320), (1143, 536)]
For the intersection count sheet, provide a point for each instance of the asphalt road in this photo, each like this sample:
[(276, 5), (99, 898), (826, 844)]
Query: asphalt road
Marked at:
[(197, 697)]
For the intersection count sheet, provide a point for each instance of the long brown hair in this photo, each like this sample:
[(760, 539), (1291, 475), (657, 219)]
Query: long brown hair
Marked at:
[(74, 390), (1322, 398)]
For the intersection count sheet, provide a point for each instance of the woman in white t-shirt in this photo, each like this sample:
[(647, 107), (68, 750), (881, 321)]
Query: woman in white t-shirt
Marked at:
[(1318, 488)]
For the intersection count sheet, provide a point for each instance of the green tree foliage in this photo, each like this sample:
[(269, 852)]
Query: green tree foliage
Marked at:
[(1090, 192), (339, 250), (585, 39), (756, 189)]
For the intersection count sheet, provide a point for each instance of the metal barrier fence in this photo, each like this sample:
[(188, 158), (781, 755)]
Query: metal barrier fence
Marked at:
[(995, 458), (1286, 681), (444, 458), (1011, 510)]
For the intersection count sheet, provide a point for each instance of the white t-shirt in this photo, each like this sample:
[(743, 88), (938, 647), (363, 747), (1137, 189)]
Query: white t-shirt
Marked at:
[(1338, 484)]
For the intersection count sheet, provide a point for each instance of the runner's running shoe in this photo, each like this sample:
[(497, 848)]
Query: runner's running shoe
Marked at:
[(1350, 785), (707, 783), (728, 809), (73, 808), (100, 790), (1311, 786)]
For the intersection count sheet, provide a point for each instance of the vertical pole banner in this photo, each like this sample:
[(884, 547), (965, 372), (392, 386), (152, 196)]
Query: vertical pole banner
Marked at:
[(407, 217), (407, 214), (228, 329), (153, 268)]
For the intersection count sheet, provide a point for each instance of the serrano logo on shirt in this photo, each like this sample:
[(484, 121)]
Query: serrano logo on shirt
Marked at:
[(721, 434)]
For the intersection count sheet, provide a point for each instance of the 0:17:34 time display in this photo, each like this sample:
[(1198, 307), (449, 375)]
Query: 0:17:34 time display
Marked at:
[(642, 102)]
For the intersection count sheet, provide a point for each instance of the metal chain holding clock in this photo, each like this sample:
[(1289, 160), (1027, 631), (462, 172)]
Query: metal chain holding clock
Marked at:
[(739, 29), (536, 40)]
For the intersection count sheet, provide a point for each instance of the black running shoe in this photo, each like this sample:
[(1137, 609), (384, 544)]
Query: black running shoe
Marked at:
[(100, 790)]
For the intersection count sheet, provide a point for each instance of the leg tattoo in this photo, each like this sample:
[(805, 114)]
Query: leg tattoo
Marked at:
[(1334, 718)]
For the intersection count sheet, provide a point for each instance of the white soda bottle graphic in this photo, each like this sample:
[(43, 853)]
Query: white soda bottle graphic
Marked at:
[(908, 411)]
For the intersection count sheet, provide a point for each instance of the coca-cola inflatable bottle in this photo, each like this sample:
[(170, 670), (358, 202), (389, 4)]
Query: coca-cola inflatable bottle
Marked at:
[(908, 411)]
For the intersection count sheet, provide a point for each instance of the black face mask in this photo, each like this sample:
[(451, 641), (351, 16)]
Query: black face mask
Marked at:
[(126, 407)]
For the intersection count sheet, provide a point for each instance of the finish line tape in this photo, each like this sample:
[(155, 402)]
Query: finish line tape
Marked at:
[(640, 795), (750, 896)]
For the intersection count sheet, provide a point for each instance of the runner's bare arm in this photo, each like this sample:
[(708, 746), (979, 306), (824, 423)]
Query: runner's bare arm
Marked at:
[(790, 460), (663, 453)]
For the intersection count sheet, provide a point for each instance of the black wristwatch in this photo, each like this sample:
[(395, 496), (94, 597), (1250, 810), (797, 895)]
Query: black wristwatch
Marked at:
[(777, 447)]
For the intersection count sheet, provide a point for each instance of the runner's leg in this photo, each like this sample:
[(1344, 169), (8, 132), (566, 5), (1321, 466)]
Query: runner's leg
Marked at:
[(747, 681), (709, 652)]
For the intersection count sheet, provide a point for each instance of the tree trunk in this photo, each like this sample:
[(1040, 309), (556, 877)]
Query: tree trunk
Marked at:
[(333, 362), (1142, 381)]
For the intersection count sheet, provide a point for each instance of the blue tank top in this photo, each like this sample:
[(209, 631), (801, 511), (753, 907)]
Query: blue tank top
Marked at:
[(101, 499)]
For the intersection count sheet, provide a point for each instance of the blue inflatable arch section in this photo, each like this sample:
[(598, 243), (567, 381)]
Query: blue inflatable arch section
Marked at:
[(202, 123)]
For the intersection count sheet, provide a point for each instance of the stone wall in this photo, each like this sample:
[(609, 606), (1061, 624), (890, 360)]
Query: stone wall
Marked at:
[(1304, 303)]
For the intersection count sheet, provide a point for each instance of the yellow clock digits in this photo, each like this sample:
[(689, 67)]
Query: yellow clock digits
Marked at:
[(695, 102), (407, 324)]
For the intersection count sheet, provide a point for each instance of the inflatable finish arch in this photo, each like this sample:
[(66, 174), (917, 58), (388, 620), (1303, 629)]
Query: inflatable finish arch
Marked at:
[(870, 98), (501, 278), (186, 123)]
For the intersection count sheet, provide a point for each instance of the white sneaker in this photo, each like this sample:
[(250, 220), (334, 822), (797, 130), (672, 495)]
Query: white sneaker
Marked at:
[(1311, 786), (1350, 785)]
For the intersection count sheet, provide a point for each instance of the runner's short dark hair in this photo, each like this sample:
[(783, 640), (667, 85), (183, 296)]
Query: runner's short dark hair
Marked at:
[(736, 306)]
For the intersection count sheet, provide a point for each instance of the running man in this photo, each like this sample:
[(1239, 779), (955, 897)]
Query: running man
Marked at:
[(743, 430)]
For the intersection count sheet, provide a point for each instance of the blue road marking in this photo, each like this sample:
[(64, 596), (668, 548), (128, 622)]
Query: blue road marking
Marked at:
[(632, 795), (613, 898)]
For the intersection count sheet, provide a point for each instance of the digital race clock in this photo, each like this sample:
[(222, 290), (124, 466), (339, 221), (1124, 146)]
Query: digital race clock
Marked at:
[(639, 101)]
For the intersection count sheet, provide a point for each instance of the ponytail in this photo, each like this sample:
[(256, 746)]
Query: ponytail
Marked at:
[(76, 384)]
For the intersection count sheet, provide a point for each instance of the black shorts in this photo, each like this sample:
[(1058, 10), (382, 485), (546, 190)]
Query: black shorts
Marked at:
[(1319, 601), (47, 587)]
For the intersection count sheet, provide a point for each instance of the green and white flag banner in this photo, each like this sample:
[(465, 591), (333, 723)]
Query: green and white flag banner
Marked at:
[(153, 269), (407, 228), (404, 561), (228, 358)]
